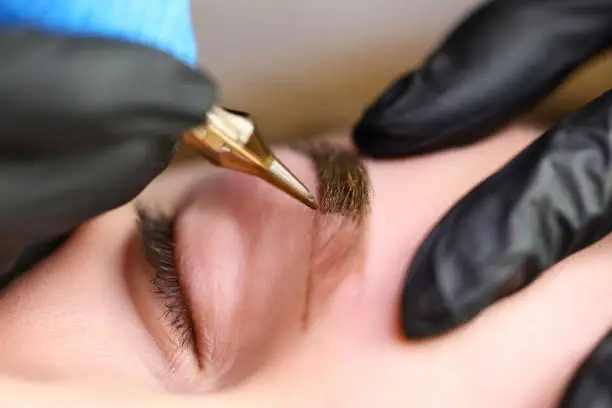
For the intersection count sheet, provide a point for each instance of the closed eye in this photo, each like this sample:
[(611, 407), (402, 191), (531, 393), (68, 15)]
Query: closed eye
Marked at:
[(157, 238)]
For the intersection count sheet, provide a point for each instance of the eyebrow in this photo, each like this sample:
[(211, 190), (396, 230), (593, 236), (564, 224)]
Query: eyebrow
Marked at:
[(342, 180)]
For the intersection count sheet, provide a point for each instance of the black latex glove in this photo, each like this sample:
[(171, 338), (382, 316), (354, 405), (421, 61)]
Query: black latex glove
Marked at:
[(550, 201), (85, 125)]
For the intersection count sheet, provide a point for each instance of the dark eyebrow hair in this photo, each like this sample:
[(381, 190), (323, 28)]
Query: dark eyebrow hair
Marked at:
[(342, 180)]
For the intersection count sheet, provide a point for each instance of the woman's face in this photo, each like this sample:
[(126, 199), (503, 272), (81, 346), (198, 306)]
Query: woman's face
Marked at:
[(239, 285)]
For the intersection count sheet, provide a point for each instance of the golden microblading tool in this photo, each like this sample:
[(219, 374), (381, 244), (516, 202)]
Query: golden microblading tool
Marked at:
[(229, 139)]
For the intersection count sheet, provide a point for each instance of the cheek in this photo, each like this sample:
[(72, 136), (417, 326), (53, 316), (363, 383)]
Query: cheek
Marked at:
[(68, 318)]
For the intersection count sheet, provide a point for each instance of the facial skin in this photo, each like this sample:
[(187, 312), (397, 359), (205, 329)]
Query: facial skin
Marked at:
[(295, 306)]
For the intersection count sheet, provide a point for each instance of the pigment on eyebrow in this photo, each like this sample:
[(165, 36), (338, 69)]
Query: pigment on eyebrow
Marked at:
[(343, 183)]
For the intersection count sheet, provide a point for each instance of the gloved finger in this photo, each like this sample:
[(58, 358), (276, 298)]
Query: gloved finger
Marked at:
[(551, 327), (551, 200), (45, 198), (503, 59), (19, 259), (592, 385), (61, 93)]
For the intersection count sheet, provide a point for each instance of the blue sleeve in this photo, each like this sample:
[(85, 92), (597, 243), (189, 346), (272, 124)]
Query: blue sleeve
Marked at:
[(162, 24)]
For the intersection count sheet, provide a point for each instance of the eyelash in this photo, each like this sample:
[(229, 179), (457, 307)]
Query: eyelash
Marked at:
[(157, 238)]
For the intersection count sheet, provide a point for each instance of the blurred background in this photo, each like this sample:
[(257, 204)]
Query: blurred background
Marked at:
[(307, 66)]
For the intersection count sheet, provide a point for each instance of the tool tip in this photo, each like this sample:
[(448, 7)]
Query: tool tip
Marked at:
[(311, 201), (285, 180)]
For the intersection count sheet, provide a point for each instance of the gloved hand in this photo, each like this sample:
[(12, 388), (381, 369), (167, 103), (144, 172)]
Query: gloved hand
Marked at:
[(550, 201), (86, 124)]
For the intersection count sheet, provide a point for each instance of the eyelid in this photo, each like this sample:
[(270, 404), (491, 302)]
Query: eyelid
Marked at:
[(157, 239)]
